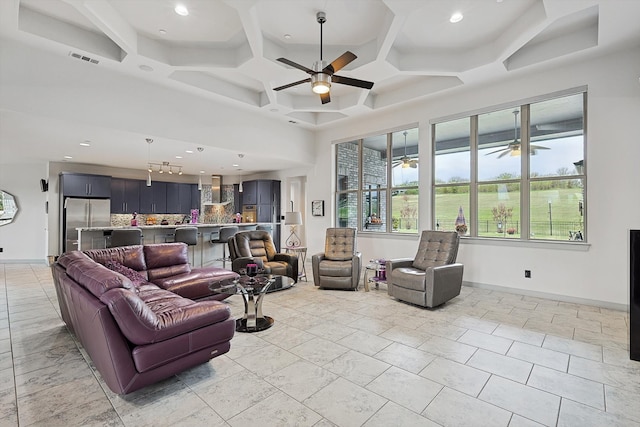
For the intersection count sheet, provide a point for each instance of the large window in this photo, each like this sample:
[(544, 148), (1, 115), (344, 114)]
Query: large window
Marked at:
[(513, 173), (377, 183)]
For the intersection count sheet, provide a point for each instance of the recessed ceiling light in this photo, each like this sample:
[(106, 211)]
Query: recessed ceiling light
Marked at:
[(201, 171), (189, 151), (287, 36), (181, 10), (162, 32), (178, 157), (144, 67), (68, 157), (456, 17), (235, 165), (85, 144)]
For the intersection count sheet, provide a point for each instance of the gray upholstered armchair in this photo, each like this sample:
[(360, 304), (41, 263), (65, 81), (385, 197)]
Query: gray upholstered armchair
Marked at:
[(257, 246), (339, 266), (432, 277)]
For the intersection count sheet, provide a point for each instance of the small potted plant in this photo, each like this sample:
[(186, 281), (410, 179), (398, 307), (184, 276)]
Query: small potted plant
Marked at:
[(461, 223)]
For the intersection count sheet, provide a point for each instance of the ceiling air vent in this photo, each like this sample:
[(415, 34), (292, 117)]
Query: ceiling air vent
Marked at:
[(83, 57)]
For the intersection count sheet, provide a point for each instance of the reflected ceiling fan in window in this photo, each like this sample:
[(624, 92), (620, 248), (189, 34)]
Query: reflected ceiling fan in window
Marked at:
[(406, 161), (514, 147), (322, 75)]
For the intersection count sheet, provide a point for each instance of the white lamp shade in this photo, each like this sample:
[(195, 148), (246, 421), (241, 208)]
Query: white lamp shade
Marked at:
[(292, 218)]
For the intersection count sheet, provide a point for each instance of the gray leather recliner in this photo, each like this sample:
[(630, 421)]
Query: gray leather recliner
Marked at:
[(431, 278), (338, 267)]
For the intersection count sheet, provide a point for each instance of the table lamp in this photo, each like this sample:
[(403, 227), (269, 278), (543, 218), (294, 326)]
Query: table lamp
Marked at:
[(293, 219)]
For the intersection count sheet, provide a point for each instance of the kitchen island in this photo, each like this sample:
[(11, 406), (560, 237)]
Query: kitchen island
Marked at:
[(204, 253)]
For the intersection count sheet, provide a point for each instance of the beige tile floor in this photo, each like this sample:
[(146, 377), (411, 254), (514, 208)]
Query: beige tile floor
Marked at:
[(339, 359)]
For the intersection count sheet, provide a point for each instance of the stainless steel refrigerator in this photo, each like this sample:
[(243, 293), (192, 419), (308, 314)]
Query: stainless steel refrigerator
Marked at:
[(83, 213)]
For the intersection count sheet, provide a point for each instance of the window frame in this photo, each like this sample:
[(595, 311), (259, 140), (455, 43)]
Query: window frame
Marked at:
[(362, 190), (525, 180)]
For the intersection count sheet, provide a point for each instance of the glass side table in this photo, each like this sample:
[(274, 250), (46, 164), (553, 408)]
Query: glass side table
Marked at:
[(375, 272), (301, 252)]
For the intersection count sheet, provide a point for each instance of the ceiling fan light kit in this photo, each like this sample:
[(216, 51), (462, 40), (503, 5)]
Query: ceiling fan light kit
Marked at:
[(514, 148), (322, 75)]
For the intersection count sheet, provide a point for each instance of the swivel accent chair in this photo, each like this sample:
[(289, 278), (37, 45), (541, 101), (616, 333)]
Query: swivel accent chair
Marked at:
[(339, 266), (431, 278)]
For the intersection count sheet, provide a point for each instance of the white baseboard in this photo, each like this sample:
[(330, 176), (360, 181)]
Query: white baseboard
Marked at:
[(556, 297), (24, 261)]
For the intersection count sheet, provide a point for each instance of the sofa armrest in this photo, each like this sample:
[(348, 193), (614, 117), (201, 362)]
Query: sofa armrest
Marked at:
[(315, 267), (446, 283), (288, 258), (356, 269), (165, 315), (397, 263)]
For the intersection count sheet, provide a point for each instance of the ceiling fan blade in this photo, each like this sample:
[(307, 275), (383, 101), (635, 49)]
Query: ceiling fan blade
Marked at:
[(325, 98), (539, 147), (504, 154), (497, 151), (339, 63), (351, 82), (295, 65), (292, 84)]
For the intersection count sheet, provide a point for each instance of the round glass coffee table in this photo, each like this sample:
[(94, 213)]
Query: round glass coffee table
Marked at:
[(253, 290)]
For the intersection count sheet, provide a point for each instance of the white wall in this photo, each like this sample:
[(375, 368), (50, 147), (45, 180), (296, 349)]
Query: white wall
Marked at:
[(599, 273), (25, 238)]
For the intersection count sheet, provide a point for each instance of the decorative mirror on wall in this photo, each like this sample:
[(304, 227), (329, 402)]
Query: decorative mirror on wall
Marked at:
[(8, 208)]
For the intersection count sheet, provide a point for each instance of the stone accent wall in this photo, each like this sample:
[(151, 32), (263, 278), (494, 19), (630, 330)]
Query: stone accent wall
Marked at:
[(374, 174)]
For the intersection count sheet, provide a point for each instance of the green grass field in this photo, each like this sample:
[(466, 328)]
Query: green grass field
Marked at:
[(565, 214)]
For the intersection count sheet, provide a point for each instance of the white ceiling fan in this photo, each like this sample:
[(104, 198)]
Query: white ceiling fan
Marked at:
[(515, 147), (406, 161)]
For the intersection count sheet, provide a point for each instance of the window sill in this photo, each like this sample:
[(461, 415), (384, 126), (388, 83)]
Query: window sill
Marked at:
[(538, 244)]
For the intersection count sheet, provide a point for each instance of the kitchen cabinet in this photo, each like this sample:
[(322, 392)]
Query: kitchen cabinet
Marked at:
[(249, 192), (195, 197), (85, 185), (153, 199), (125, 195), (178, 198), (265, 194)]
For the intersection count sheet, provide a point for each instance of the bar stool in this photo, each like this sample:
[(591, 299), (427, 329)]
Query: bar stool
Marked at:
[(188, 235), (126, 237), (223, 237)]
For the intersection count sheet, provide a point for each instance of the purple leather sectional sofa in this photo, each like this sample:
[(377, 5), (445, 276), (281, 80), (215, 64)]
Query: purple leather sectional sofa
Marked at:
[(141, 312)]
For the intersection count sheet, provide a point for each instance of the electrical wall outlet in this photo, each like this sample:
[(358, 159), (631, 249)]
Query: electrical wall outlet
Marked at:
[(527, 274)]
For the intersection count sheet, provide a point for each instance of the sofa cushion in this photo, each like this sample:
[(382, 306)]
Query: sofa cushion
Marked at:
[(129, 256), (439, 248), (339, 244), (336, 268), (96, 278), (136, 278), (165, 260), (154, 314), (195, 284)]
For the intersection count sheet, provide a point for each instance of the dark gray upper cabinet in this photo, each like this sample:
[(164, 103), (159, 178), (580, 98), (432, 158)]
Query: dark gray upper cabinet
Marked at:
[(178, 198), (84, 185), (195, 197), (249, 192), (125, 195), (153, 199)]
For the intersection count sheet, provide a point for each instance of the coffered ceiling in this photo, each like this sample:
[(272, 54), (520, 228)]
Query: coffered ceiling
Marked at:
[(226, 51)]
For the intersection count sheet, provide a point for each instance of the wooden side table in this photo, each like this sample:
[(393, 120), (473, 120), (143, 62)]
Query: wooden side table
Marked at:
[(301, 252)]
